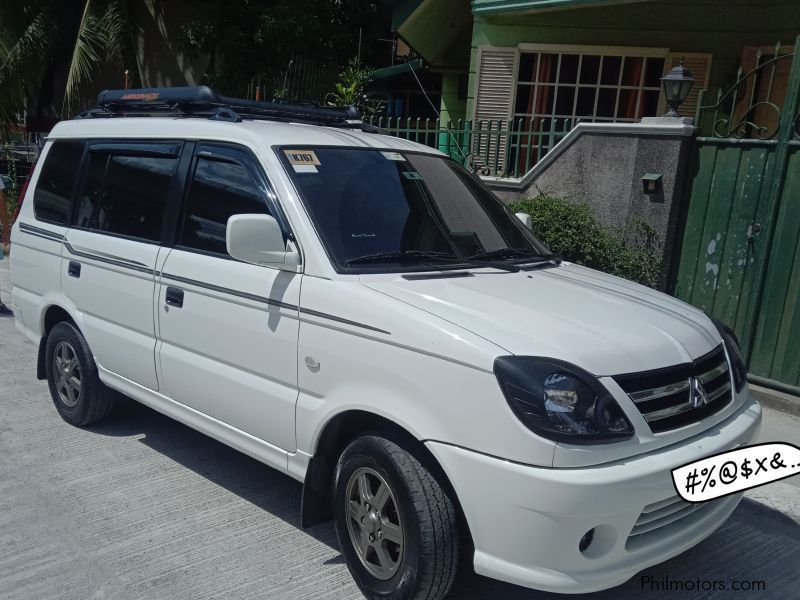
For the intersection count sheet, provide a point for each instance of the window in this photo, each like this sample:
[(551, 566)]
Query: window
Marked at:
[(555, 90), (53, 196), (220, 188), (591, 87), (126, 191)]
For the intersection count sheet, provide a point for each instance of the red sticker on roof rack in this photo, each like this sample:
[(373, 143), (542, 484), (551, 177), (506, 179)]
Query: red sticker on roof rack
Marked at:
[(148, 97)]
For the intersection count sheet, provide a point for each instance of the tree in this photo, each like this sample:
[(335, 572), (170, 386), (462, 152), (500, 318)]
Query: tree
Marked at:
[(51, 49), (257, 39), (41, 40)]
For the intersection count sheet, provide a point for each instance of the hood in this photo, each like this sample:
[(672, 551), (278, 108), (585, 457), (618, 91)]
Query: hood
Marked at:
[(599, 322)]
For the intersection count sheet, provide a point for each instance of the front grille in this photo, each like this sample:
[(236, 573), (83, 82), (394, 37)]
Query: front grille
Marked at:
[(665, 397), (664, 518)]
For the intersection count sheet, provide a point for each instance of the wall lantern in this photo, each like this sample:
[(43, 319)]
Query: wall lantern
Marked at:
[(677, 85), (651, 182)]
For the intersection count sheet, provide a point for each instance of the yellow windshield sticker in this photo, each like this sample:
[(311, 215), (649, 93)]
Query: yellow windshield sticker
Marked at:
[(301, 157)]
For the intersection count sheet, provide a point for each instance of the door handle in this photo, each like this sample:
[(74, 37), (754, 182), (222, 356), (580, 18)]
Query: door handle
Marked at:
[(174, 297), (74, 269)]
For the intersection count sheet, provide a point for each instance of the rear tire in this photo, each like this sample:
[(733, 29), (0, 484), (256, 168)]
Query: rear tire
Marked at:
[(78, 394), (396, 525)]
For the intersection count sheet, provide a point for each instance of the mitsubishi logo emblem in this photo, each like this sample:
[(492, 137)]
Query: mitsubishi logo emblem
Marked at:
[(697, 393)]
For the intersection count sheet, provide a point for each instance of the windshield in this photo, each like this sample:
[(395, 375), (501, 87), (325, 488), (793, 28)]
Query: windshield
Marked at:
[(391, 211)]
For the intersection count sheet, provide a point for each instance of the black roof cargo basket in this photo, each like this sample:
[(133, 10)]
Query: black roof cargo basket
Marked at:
[(202, 101)]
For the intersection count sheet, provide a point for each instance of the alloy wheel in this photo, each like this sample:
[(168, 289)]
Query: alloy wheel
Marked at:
[(67, 374), (374, 523)]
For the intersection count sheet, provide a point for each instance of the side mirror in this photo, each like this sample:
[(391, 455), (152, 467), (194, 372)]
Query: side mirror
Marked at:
[(258, 239), (526, 219)]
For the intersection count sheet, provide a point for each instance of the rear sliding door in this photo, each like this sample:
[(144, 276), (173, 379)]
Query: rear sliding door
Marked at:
[(110, 252)]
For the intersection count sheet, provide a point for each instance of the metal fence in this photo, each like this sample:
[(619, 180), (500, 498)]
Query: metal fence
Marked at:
[(305, 80), (502, 148), (751, 108)]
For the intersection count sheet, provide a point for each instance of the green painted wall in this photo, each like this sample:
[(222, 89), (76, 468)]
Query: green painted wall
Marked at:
[(719, 27), (453, 108)]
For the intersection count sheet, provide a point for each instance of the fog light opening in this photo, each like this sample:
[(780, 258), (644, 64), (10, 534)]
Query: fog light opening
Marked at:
[(586, 540), (598, 541)]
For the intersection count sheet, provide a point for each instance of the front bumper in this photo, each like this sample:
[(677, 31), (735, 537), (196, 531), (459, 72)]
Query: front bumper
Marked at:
[(527, 522)]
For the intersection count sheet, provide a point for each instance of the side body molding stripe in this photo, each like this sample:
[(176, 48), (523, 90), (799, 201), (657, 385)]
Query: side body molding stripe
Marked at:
[(39, 232), (121, 262), (271, 302), (224, 290), (116, 261)]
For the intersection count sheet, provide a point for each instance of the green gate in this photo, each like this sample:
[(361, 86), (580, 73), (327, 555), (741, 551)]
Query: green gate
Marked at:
[(740, 256)]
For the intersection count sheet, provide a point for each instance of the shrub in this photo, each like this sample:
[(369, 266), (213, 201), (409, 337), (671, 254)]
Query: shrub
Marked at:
[(12, 189), (351, 88), (569, 229)]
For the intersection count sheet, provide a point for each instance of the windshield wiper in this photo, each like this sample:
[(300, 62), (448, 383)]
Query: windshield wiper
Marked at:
[(405, 256), (502, 253), (495, 258)]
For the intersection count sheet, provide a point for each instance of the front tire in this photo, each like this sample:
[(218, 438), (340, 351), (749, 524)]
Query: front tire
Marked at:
[(78, 394), (396, 525)]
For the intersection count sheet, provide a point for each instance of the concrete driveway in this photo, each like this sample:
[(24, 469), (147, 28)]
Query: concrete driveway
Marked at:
[(143, 507)]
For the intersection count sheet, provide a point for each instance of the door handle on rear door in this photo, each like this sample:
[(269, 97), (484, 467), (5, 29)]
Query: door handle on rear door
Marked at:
[(174, 297), (74, 269)]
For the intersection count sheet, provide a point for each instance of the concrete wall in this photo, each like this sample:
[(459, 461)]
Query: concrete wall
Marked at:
[(158, 60), (602, 165)]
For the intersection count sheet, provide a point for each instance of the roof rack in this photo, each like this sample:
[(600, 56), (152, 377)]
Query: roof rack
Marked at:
[(202, 101)]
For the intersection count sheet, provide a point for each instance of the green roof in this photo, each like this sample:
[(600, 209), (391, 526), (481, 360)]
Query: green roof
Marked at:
[(394, 71), (491, 6)]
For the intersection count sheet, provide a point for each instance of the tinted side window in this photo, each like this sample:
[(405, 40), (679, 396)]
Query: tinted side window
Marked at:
[(219, 190), (53, 195), (125, 194)]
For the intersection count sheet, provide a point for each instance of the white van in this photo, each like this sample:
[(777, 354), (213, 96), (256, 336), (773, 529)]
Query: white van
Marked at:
[(361, 313)]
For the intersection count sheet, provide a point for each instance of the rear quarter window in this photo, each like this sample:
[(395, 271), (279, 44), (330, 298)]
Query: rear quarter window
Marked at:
[(52, 199)]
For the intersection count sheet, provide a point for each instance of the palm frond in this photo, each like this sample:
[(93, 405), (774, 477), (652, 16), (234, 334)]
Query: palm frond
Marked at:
[(23, 58), (101, 36), (129, 42), (28, 46), (114, 24), (89, 41)]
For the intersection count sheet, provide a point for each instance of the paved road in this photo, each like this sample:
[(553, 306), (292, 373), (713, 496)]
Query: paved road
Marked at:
[(781, 427), (143, 507)]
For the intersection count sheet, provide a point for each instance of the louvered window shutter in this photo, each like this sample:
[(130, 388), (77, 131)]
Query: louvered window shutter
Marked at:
[(700, 66), (496, 78)]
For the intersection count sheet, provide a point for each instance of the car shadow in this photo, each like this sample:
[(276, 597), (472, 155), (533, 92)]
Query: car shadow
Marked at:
[(757, 543), (251, 480)]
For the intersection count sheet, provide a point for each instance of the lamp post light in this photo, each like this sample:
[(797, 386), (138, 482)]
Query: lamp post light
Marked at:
[(677, 85)]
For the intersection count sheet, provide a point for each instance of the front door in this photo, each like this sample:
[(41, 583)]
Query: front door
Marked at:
[(228, 330)]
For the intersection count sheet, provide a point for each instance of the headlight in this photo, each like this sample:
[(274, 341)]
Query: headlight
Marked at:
[(560, 401), (734, 352)]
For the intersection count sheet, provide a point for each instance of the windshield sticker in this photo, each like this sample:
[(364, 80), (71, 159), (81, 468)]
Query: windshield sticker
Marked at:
[(393, 156), (305, 169), (301, 157), (413, 175)]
